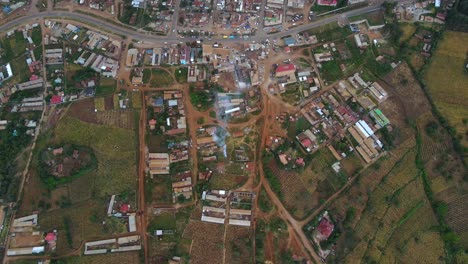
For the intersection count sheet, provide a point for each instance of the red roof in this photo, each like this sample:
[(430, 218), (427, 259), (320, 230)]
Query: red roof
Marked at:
[(56, 99), (327, 2), (287, 49), (300, 161), (152, 122), (306, 142), (286, 67), (325, 228), (33, 77), (50, 237), (124, 208)]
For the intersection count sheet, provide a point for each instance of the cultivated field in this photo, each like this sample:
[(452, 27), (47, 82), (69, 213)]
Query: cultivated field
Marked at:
[(207, 242), (306, 189), (123, 118), (447, 80), (392, 219), (238, 244), (295, 197)]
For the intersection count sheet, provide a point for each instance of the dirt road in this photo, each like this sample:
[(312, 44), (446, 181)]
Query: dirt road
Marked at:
[(142, 212)]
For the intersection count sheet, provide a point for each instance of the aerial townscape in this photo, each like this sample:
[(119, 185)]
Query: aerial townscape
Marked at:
[(233, 131)]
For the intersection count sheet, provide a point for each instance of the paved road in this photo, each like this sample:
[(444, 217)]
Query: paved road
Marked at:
[(147, 37)]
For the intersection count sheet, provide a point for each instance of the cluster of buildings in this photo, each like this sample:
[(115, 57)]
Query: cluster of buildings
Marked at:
[(96, 50), (170, 104), (226, 207), (240, 15), (210, 142), (289, 74), (172, 54), (423, 11), (333, 115), (122, 209), (182, 186), (34, 83), (27, 239), (194, 13), (426, 38)]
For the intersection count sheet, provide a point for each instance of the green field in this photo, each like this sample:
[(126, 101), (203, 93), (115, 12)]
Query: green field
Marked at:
[(106, 86), (447, 80), (160, 78), (164, 221), (181, 74), (331, 71), (114, 148)]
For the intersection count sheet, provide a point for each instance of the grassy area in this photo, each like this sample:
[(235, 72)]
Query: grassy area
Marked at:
[(146, 75), (227, 181), (38, 52), (407, 31), (160, 78), (181, 74), (446, 78), (374, 18), (106, 86), (114, 148), (18, 43), (293, 94), (99, 103), (331, 71), (330, 32), (20, 70), (164, 221), (36, 36), (136, 100), (80, 227), (322, 9)]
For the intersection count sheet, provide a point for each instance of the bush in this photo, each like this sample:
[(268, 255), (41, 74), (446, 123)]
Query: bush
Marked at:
[(67, 226), (275, 184)]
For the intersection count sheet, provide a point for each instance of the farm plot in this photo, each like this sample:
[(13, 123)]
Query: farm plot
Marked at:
[(83, 110), (447, 68), (408, 31), (435, 143), (163, 249), (114, 148), (457, 217), (122, 118), (75, 224), (227, 181), (99, 104), (159, 189), (395, 203), (409, 93), (106, 86), (238, 244), (136, 100), (207, 242), (297, 199), (358, 196)]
